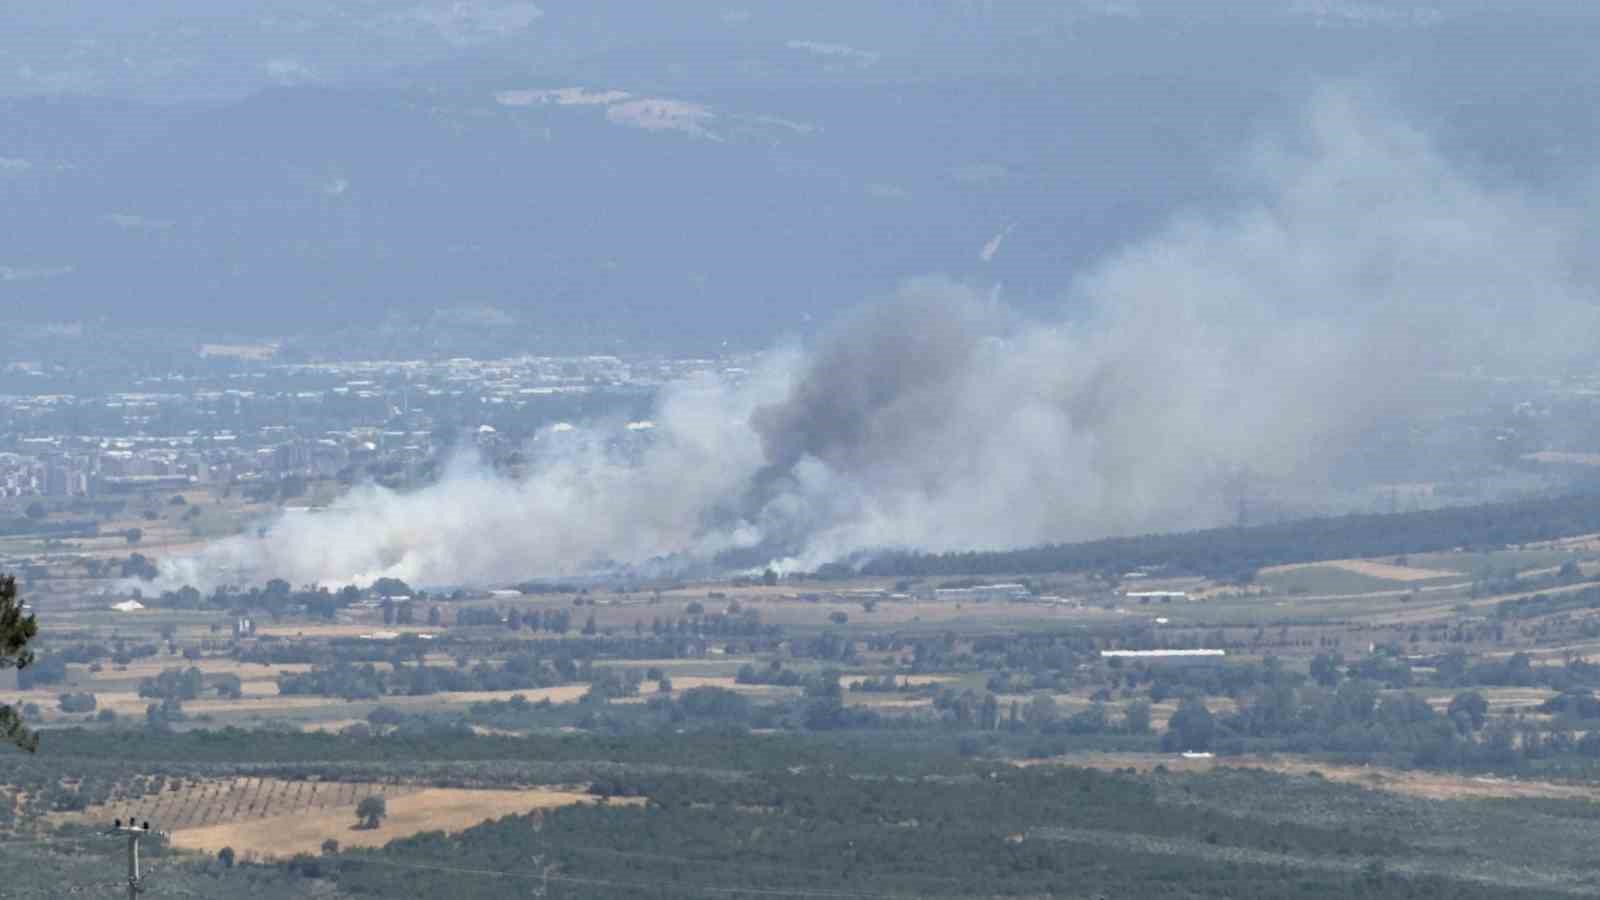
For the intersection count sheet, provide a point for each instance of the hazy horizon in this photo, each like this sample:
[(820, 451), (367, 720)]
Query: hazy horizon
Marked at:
[(676, 178), (464, 449)]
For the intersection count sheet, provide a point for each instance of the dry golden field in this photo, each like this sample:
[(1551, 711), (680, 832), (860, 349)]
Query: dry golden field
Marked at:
[(1415, 783), (682, 683), (273, 818), (1374, 568), (427, 809)]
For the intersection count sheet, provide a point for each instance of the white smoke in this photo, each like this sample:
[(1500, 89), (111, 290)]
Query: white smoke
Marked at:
[(1260, 338)]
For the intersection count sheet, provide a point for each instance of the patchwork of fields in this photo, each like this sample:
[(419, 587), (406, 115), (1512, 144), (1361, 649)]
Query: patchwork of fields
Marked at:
[(263, 818), (993, 676)]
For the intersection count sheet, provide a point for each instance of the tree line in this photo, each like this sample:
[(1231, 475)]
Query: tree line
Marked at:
[(1237, 553)]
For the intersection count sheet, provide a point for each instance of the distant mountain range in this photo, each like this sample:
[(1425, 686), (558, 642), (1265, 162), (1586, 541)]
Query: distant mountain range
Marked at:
[(682, 172)]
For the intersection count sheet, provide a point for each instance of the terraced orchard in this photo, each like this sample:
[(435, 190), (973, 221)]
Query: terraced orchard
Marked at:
[(267, 818), (181, 804)]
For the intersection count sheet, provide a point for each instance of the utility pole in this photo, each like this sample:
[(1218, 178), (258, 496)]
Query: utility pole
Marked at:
[(544, 875), (135, 833)]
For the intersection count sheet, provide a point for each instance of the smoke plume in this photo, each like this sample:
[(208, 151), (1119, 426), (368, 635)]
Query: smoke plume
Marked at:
[(1261, 338)]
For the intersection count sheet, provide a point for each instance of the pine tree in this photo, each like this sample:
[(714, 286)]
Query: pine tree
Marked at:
[(15, 632)]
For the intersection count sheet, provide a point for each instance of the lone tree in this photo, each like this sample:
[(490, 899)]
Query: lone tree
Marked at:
[(1468, 710), (15, 632), (1191, 728), (371, 810)]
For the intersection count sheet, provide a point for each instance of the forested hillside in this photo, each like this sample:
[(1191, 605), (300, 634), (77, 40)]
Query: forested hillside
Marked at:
[(1236, 553)]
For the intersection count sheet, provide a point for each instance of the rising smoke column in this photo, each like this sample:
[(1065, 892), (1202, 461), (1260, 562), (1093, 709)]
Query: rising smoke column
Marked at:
[(1357, 261), (581, 506)]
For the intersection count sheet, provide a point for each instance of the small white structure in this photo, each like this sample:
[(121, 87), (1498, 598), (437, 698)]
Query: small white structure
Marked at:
[(128, 606), (1159, 654), (1157, 595)]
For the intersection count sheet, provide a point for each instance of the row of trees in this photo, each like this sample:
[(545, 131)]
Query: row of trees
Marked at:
[(1359, 720), (187, 684), (365, 681)]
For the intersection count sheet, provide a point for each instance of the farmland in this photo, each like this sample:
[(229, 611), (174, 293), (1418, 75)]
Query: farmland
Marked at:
[(202, 803), (286, 832), (560, 718)]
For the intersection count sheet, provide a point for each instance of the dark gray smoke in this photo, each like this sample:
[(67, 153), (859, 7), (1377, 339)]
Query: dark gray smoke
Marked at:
[(881, 374)]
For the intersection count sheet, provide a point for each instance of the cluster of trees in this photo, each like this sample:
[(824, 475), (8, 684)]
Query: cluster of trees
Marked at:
[(568, 658), (24, 524), (276, 597), (742, 623), (163, 715), (608, 683), (882, 684), (1490, 583), (84, 702), (1576, 707), (282, 651), (1041, 715), (829, 646), (42, 671), (1456, 669), (137, 565), (1030, 652), (354, 681), (1387, 666), (1545, 604), (772, 673), (1359, 720), (714, 703), (553, 621), (182, 684), (187, 684), (545, 588), (121, 652), (286, 488)]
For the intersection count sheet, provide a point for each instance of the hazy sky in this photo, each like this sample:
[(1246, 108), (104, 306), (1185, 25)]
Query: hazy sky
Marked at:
[(734, 171)]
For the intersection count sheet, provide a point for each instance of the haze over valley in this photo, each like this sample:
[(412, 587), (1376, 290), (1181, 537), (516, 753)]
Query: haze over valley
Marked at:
[(1105, 448)]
